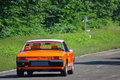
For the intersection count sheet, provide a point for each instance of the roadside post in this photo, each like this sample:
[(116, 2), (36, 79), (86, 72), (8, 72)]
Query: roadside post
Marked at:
[(85, 20), (88, 31)]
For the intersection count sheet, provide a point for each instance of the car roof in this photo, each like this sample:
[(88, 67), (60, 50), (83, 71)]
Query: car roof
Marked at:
[(56, 40)]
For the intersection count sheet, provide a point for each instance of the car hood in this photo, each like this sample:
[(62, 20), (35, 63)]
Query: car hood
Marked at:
[(40, 53)]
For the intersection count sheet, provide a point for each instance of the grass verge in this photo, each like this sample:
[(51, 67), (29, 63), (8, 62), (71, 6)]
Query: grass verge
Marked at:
[(101, 39)]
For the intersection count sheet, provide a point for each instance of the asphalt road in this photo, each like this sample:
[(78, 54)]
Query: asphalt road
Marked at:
[(96, 66)]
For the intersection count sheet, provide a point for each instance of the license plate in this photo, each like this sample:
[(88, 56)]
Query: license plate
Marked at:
[(39, 64)]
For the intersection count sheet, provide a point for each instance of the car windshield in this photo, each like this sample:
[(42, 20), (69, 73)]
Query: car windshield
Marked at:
[(43, 46)]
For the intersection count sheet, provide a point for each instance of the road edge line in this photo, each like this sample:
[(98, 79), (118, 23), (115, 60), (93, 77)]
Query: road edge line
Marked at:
[(8, 71), (75, 57)]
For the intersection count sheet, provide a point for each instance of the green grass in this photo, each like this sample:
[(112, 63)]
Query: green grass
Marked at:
[(101, 39)]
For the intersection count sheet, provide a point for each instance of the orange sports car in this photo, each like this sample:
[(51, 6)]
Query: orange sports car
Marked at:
[(45, 55)]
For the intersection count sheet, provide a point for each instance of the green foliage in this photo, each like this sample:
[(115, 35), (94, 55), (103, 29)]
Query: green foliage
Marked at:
[(26, 17), (59, 28), (102, 39)]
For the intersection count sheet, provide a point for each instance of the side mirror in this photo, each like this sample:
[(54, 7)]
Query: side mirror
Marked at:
[(20, 50), (71, 50)]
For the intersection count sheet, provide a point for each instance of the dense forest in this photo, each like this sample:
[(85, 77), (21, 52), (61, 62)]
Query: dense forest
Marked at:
[(25, 17)]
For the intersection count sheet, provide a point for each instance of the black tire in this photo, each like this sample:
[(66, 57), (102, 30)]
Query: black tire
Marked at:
[(20, 73), (29, 73), (72, 70), (64, 72)]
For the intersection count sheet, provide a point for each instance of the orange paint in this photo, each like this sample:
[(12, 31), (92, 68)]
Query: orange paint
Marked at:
[(44, 50)]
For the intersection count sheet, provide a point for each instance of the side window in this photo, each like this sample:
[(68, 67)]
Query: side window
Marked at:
[(66, 49)]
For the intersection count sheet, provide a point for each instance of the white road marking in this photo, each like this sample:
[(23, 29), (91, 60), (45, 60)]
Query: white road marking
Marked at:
[(8, 71)]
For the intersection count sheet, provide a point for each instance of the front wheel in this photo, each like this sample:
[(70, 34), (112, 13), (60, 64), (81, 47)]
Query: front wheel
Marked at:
[(64, 72)]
